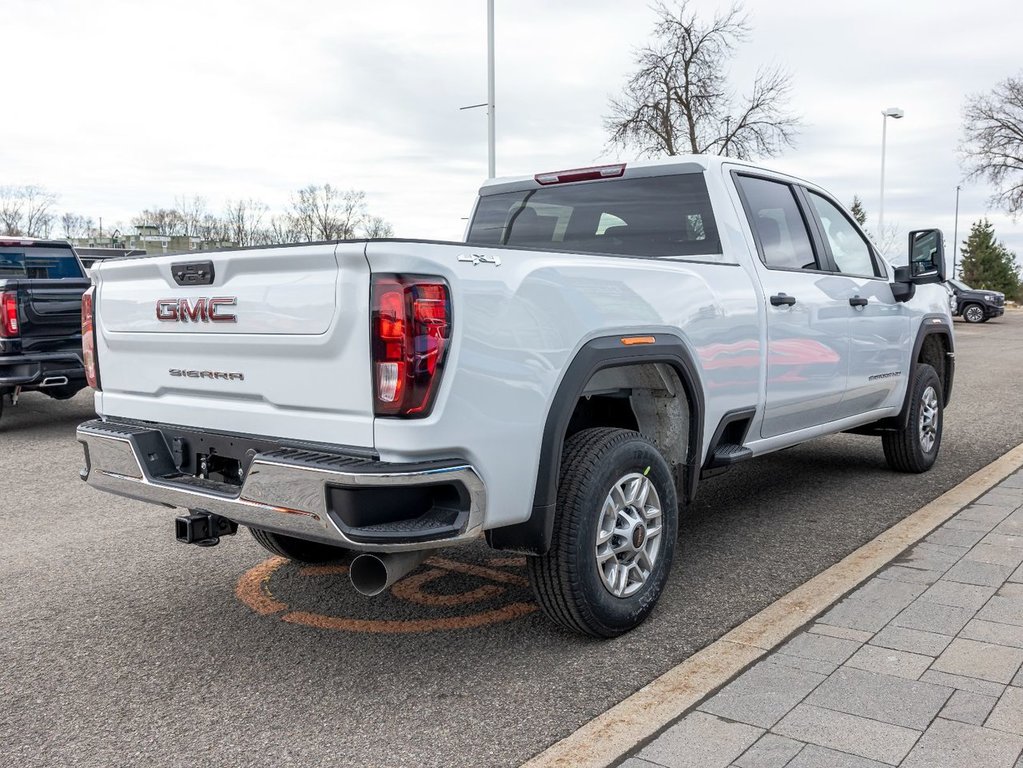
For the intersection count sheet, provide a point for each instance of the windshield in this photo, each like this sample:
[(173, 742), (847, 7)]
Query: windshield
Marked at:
[(960, 285), (655, 216), (39, 263)]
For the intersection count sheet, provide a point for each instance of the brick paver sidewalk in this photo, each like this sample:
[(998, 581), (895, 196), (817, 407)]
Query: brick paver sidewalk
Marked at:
[(920, 666)]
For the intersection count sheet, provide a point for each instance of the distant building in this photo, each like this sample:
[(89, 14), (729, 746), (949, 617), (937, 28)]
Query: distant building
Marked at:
[(147, 239)]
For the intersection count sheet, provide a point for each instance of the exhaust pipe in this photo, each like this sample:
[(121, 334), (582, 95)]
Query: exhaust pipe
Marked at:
[(372, 574), (53, 381)]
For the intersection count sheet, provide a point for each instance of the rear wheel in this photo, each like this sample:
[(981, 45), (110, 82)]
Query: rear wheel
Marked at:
[(615, 531), (915, 448), (299, 550), (973, 313)]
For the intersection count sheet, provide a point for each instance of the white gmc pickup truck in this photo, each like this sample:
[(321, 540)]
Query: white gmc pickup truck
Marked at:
[(559, 383)]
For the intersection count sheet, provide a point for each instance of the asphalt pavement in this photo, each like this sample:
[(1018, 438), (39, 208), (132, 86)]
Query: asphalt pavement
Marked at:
[(120, 646)]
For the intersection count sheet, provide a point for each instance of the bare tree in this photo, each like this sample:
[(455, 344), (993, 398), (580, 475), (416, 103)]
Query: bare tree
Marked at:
[(679, 101), (281, 229), (167, 221), (39, 214), (327, 213), (192, 210), (992, 145), (11, 214), (27, 210), (375, 226), (244, 220), (73, 224)]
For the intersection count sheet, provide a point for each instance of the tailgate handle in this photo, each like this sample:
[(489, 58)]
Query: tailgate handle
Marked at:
[(193, 273)]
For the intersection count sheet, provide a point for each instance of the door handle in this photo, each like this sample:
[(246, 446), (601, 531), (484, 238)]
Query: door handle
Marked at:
[(780, 299), (858, 301)]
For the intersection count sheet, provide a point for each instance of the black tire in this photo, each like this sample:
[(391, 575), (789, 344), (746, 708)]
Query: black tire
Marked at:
[(905, 449), (299, 550), (567, 581), (986, 318), (973, 313)]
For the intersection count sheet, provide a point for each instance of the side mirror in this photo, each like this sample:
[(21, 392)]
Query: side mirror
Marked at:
[(926, 256)]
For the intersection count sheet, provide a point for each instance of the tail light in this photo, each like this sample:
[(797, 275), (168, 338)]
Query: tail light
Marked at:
[(89, 338), (411, 328), (9, 327), (593, 173)]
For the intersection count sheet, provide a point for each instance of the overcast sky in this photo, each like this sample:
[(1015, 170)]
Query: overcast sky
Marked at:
[(117, 105)]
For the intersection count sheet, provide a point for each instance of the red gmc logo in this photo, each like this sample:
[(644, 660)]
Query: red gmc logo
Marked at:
[(201, 310)]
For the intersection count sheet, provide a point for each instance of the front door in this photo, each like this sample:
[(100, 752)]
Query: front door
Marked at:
[(878, 326)]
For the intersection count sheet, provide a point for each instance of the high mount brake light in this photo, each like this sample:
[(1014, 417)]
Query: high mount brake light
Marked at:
[(9, 327), (581, 174), (89, 338), (411, 322)]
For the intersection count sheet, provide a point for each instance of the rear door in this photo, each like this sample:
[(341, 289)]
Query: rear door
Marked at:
[(807, 337), (271, 342)]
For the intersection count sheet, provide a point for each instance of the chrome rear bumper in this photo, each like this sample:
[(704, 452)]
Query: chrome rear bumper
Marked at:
[(286, 491)]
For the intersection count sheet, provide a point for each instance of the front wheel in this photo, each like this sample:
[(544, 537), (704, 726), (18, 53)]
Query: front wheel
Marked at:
[(973, 313), (915, 448), (299, 550), (614, 538)]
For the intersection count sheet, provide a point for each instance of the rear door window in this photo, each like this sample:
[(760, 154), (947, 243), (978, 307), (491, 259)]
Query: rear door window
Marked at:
[(39, 263), (780, 229), (655, 216)]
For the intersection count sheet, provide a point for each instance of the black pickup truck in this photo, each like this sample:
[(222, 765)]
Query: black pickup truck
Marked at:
[(977, 305), (41, 287)]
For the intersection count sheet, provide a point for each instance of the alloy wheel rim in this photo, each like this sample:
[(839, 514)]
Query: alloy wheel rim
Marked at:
[(974, 313), (929, 416), (629, 535)]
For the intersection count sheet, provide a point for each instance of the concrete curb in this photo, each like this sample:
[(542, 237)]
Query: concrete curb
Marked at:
[(610, 735)]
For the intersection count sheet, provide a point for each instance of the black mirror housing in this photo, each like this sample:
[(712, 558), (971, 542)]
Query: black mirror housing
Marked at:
[(926, 256)]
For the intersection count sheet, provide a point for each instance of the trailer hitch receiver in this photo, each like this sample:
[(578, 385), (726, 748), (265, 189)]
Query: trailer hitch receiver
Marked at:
[(203, 528)]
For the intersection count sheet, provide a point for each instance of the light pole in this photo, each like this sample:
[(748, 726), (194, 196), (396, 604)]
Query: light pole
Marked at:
[(955, 235), (491, 132), (489, 103), (897, 114)]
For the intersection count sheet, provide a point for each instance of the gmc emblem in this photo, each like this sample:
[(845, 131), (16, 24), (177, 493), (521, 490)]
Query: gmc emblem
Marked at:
[(201, 310)]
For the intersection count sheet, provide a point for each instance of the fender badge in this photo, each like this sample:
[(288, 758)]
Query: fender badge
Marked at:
[(480, 258)]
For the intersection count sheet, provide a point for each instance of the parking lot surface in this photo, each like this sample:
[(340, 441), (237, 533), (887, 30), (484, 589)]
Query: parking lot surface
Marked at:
[(122, 646)]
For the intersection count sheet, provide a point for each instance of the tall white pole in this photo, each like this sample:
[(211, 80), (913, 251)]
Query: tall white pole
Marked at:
[(955, 234), (491, 133), (880, 207)]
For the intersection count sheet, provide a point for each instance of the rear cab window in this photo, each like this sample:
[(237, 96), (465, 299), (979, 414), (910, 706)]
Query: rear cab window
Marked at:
[(778, 224), (653, 216), (39, 263)]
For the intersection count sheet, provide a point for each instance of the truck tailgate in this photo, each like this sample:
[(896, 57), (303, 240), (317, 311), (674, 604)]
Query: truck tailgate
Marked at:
[(284, 353), (50, 314)]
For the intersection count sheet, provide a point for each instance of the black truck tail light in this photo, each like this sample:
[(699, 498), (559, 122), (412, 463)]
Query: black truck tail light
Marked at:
[(411, 328), (89, 338), (9, 328)]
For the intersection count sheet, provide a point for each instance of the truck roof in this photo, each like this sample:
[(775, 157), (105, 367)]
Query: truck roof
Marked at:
[(631, 169), (8, 240)]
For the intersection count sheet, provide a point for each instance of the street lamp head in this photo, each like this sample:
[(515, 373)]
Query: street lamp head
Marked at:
[(894, 112)]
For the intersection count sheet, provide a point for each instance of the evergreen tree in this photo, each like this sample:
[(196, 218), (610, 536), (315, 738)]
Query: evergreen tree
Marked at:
[(856, 209), (986, 263)]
